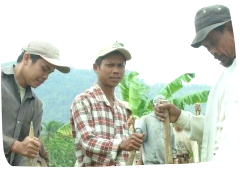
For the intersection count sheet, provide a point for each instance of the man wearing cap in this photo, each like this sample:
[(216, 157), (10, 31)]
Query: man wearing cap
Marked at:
[(216, 129), (152, 150), (20, 106), (98, 119)]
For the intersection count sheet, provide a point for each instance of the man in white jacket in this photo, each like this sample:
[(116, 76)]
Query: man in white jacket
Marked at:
[(217, 130)]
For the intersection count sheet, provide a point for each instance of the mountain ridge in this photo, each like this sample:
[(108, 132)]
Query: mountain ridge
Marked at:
[(58, 92)]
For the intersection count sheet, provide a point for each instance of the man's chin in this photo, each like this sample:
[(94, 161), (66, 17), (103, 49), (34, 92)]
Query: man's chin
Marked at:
[(226, 63), (35, 86)]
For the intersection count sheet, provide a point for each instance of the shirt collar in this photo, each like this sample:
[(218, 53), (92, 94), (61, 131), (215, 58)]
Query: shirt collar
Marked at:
[(100, 95), (9, 70)]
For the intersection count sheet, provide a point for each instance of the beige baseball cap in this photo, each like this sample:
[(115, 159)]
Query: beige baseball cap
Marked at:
[(114, 47), (48, 52)]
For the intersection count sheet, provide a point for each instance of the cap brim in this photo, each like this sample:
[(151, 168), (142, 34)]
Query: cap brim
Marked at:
[(59, 66), (201, 35), (126, 54)]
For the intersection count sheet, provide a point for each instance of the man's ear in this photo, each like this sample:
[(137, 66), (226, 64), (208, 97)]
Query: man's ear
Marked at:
[(26, 58), (95, 67)]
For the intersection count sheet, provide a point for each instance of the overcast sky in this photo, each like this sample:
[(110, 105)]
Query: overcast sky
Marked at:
[(158, 34)]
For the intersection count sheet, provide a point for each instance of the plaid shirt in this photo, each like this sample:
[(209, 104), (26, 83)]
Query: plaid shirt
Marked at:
[(98, 129)]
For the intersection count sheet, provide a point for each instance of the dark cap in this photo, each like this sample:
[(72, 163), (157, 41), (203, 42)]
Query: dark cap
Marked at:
[(207, 19)]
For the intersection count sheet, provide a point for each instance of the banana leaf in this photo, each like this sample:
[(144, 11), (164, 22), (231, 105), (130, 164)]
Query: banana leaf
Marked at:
[(134, 91), (65, 130), (199, 97), (176, 84)]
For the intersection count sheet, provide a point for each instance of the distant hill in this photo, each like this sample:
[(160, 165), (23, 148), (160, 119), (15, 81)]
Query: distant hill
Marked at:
[(58, 92)]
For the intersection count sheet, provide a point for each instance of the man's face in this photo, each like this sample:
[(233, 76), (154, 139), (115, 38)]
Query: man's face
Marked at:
[(221, 45), (35, 74), (111, 70)]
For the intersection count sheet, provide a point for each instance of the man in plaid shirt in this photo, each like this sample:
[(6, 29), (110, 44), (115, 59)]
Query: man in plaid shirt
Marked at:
[(98, 119)]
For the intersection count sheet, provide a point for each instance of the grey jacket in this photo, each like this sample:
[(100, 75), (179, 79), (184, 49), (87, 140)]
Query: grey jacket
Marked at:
[(17, 115)]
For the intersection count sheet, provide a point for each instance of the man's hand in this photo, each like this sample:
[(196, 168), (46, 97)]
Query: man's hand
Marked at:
[(133, 142), (29, 147), (162, 109)]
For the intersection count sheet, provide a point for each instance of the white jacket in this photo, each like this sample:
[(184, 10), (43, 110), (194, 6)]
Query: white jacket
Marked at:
[(218, 129)]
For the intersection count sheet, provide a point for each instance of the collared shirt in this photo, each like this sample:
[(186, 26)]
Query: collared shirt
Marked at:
[(98, 129), (17, 115), (153, 145)]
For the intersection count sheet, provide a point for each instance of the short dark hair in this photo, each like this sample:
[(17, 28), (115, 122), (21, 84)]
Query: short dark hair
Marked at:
[(99, 59), (33, 57)]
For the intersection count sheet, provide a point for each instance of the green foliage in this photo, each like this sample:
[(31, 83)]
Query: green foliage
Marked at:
[(61, 151), (65, 130), (199, 97), (189, 99), (49, 129), (176, 85), (58, 142), (135, 92)]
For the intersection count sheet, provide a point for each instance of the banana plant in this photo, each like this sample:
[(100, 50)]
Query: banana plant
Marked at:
[(176, 84), (189, 99), (65, 130), (135, 91)]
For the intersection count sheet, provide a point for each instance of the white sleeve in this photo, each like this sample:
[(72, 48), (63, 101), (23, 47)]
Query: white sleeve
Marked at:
[(193, 125)]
